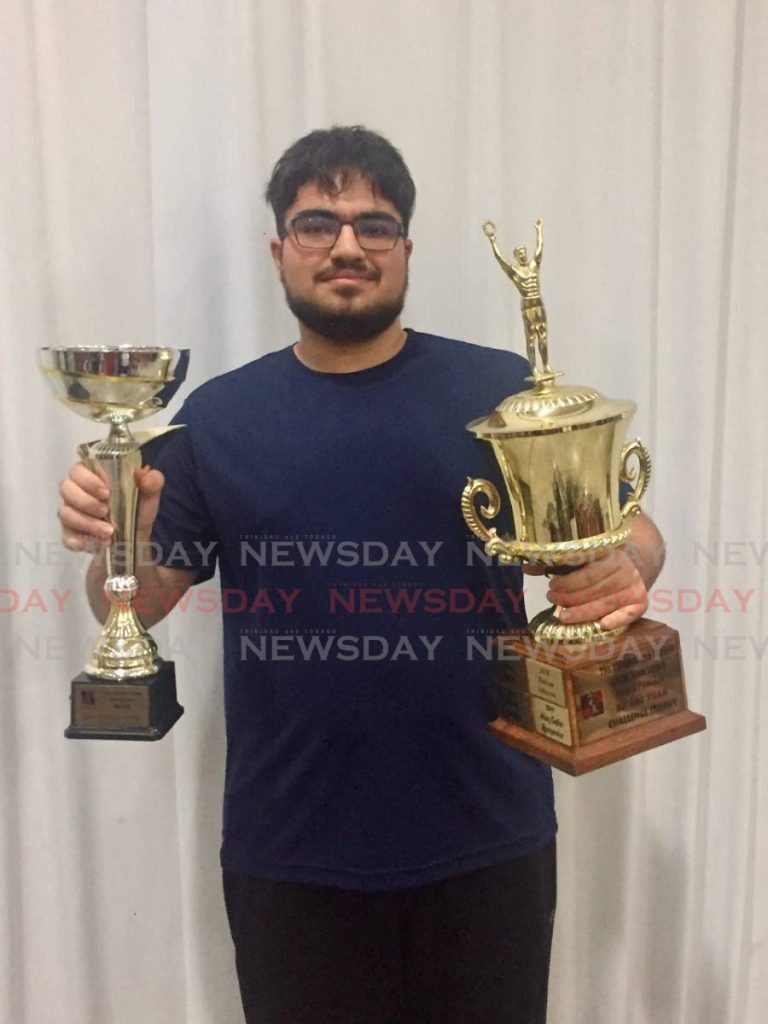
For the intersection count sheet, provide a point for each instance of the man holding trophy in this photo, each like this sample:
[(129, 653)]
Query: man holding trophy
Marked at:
[(385, 858)]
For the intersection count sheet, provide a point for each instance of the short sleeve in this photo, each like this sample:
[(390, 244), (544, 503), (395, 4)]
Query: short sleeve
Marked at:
[(183, 535)]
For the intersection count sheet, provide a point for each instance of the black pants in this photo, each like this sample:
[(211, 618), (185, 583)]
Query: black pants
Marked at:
[(473, 949)]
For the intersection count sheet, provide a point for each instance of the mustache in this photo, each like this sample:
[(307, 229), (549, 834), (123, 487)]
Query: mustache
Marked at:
[(357, 266)]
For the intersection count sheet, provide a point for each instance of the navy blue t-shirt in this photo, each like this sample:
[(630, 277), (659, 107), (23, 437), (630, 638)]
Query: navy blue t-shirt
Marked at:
[(358, 614)]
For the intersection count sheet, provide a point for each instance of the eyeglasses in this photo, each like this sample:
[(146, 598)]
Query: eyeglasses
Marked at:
[(318, 230)]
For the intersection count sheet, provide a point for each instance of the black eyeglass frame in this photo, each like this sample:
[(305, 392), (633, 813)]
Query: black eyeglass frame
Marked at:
[(353, 222)]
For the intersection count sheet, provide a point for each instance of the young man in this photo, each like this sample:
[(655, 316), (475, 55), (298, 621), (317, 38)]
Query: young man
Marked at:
[(385, 859)]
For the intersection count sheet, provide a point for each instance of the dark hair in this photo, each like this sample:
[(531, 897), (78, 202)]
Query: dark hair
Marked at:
[(330, 158)]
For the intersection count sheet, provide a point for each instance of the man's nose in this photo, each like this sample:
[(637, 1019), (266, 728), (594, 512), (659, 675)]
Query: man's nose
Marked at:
[(346, 245)]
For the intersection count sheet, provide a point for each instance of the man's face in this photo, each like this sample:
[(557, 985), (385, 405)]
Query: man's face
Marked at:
[(345, 293)]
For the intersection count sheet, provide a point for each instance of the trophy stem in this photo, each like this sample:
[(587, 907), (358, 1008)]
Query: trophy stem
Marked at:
[(115, 460), (124, 649)]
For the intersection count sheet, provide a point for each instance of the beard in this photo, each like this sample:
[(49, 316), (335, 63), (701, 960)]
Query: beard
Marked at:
[(352, 325)]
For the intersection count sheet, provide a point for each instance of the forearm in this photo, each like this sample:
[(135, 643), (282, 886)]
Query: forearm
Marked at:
[(507, 267), (646, 549), (539, 244)]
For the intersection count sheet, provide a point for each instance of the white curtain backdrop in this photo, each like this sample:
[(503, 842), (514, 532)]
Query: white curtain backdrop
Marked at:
[(136, 140)]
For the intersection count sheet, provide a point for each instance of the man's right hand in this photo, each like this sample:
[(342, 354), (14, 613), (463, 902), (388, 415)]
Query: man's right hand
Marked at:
[(83, 514)]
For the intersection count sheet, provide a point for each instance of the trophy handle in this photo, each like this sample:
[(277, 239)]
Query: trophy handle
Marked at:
[(494, 544), (639, 478), (468, 510)]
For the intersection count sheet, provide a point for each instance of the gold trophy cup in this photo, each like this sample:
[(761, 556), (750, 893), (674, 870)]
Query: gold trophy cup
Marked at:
[(126, 691), (573, 695)]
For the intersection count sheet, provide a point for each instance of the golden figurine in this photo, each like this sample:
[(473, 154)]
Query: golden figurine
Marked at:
[(525, 275)]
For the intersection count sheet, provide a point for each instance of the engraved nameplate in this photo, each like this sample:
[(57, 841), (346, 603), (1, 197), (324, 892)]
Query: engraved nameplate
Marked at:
[(551, 720), (115, 705), (545, 681)]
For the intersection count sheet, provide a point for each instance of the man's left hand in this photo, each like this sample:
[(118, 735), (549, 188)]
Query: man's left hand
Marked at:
[(609, 589)]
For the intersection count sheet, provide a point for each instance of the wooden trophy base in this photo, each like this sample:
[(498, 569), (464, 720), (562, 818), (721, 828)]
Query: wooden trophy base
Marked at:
[(126, 709), (582, 707)]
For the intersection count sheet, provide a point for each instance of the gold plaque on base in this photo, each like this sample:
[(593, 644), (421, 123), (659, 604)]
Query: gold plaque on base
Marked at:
[(579, 708)]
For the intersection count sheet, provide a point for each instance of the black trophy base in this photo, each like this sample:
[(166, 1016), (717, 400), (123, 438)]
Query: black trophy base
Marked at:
[(129, 709)]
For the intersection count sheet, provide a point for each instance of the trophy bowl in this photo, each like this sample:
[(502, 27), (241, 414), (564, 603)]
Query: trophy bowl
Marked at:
[(114, 383)]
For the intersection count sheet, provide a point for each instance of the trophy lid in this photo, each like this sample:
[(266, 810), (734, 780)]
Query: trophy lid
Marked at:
[(547, 408)]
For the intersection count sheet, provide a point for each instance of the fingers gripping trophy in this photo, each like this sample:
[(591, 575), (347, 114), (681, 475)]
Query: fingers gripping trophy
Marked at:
[(126, 691), (573, 694)]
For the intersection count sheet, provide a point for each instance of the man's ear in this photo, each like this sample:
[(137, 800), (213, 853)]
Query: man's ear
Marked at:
[(408, 248), (276, 249)]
